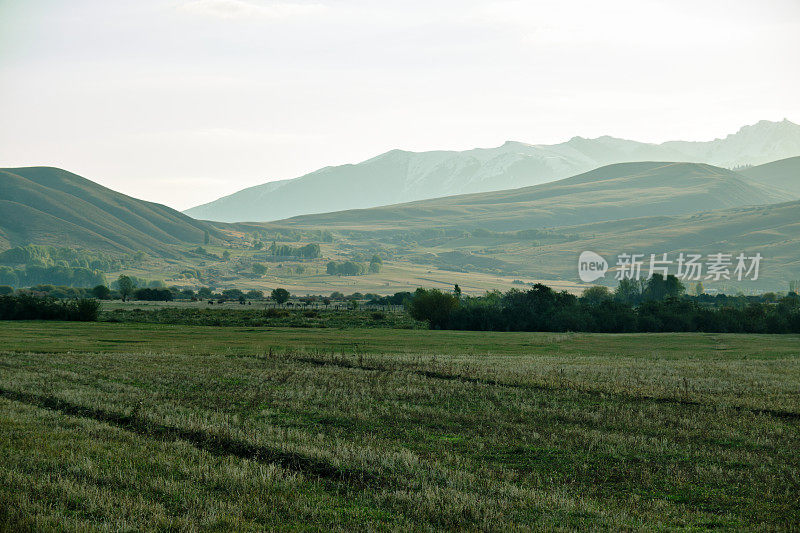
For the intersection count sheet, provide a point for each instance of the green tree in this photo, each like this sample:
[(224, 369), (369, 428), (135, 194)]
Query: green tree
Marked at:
[(280, 295), (673, 287), (101, 292), (628, 291), (596, 295), (457, 291), (126, 286), (205, 292), (232, 294), (434, 306), (259, 269), (206, 237), (226, 255)]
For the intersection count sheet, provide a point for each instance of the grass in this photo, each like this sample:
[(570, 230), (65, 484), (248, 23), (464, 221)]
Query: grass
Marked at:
[(200, 314), (148, 426)]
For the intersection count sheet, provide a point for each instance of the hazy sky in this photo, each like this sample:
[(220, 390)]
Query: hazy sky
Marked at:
[(183, 101)]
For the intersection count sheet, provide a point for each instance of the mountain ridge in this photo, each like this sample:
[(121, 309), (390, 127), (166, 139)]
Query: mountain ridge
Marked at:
[(399, 176), (635, 189), (47, 205)]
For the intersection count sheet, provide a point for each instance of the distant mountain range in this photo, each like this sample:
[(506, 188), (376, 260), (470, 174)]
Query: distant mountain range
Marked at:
[(44, 205), (643, 206), (613, 192), (399, 176)]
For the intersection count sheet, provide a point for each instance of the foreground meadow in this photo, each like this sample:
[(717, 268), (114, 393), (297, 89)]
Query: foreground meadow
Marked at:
[(140, 426)]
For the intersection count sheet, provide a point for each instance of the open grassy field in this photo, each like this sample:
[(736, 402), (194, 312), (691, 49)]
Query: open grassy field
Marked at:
[(141, 426)]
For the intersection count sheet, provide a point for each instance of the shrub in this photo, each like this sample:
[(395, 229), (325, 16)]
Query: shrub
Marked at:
[(25, 306), (153, 295), (434, 306)]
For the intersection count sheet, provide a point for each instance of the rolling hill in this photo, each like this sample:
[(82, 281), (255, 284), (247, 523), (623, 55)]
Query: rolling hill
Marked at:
[(771, 230), (625, 190), (400, 176), (44, 205), (783, 174)]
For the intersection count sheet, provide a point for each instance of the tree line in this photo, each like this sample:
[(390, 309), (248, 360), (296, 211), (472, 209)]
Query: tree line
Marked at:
[(27, 306), (57, 275), (658, 306), (49, 256), (352, 268)]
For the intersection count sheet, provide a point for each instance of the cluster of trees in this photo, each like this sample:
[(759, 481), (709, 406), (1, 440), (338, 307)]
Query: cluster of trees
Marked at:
[(398, 298), (29, 275), (351, 268), (50, 256), (309, 251), (659, 306), (53, 291), (153, 295), (28, 306), (289, 235), (346, 268)]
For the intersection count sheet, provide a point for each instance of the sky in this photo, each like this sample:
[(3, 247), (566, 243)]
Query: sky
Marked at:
[(183, 101)]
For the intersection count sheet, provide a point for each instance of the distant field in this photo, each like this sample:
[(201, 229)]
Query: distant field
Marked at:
[(142, 426)]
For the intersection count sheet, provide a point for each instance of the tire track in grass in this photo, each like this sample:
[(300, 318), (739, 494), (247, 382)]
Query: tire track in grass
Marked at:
[(218, 445), (791, 416)]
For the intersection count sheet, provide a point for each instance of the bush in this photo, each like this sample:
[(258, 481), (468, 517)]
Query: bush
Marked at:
[(153, 295), (88, 310), (434, 306), (25, 306)]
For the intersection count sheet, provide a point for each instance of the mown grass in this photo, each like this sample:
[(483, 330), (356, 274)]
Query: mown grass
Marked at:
[(253, 317), (142, 426)]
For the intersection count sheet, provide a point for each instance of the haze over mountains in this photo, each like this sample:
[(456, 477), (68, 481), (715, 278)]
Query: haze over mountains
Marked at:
[(399, 176), (44, 205), (643, 206), (613, 192)]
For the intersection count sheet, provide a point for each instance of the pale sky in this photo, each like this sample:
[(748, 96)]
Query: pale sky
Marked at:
[(184, 101)]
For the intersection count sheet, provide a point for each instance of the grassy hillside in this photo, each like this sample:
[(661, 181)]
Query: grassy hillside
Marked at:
[(783, 174), (480, 259), (773, 231), (43, 205), (613, 192)]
